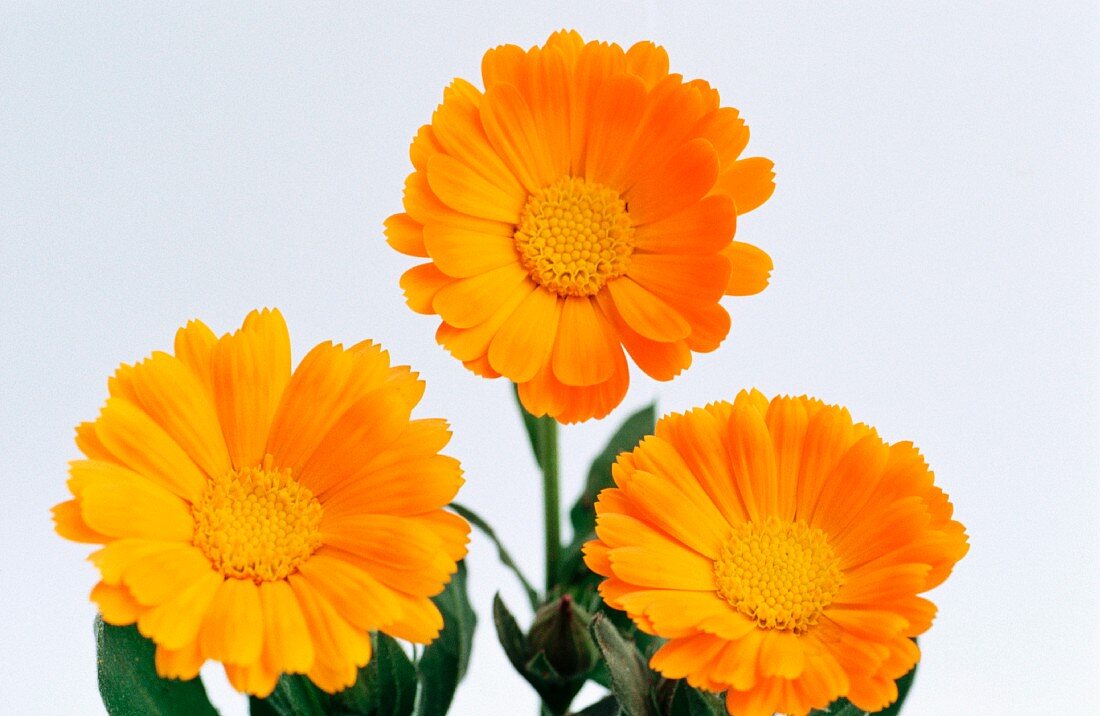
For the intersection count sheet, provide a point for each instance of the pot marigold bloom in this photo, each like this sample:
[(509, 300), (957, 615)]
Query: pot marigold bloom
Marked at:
[(780, 549), (263, 518), (583, 203)]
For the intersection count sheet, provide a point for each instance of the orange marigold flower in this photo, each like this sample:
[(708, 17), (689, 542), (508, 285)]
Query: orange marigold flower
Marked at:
[(780, 549), (262, 518), (585, 202)]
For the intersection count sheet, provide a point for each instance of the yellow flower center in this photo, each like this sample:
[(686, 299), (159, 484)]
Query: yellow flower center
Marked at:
[(574, 236), (780, 574), (257, 523)]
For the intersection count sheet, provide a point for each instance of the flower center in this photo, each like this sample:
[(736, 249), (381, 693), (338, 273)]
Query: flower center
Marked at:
[(574, 236), (780, 574), (257, 523)]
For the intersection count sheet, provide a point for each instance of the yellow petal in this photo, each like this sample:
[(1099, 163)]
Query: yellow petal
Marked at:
[(232, 630), (251, 368), (524, 343), (287, 644), (140, 444)]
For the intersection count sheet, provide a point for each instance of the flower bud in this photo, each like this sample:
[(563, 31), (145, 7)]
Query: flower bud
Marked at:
[(560, 632)]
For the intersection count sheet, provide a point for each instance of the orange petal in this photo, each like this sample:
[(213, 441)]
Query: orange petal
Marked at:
[(584, 350), (524, 342), (613, 121), (175, 398), (750, 269), (287, 644), (140, 444), (464, 190), (421, 621), (646, 313), (660, 361), (175, 623), (194, 346), (469, 344), (360, 598), (116, 605), (421, 284), (681, 280), (456, 125), (69, 524), (366, 429), (232, 630), (425, 208), (469, 301), (703, 227), (120, 503), (685, 179), (339, 648), (405, 235), (749, 181), (512, 131), (752, 459), (251, 368), (648, 61), (462, 253)]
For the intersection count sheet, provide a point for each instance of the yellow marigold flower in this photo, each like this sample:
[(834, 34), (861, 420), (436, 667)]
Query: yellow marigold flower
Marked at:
[(780, 549), (585, 202), (262, 518)]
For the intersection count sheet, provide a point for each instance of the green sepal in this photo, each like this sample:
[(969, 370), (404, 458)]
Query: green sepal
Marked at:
[(444, 661), (583, 513), (128, 680), (631, 679)]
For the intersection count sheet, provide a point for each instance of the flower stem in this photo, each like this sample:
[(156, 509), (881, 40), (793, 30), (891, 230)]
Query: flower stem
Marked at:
[(543, 433), (551, 499)]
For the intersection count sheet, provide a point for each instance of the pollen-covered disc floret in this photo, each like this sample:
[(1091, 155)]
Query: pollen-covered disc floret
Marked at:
[(257, 523), (575, 236), (779, 574)]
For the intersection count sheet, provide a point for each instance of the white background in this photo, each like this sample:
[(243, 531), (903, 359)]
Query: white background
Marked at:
[(934, 230)]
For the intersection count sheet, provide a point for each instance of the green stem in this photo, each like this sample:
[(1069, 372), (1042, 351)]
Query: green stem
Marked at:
[(551, 499)]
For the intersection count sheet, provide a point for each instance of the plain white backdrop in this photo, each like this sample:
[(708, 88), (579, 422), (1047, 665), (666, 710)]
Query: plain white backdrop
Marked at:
[(935, 234)]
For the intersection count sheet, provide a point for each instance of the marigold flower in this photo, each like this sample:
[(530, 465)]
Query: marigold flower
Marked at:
[(262, 518), (585, 202), (780, 549)]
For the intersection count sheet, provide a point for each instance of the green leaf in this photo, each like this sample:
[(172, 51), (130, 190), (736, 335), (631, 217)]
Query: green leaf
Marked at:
[(608, 706), (502, 553), (386, 685), (583, 513), (128, 680), (296, 695), (509, 634), (445, 660), (261, 707), (633, 429), (630, 677), (687, 701)]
